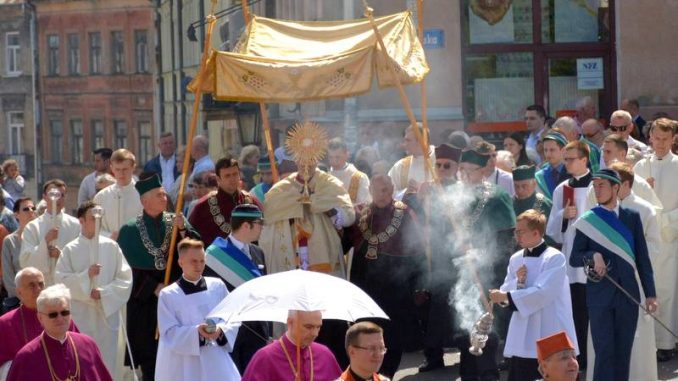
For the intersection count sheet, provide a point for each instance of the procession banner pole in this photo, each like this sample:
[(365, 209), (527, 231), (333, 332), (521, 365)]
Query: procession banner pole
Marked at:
[(194, 121), (424, 98), (401, 91), (263, 110)]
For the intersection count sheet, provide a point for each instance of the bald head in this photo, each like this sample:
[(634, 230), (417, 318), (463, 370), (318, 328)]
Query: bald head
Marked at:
[(29, 283)]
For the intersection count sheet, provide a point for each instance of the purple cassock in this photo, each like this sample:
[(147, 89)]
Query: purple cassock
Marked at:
[(77, 358), (272, 363), (17, 328)]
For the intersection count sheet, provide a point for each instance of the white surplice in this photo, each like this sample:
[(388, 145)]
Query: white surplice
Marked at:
[(97, 319), (664, 171), (180, 357), (544, 305), (554, 227), (120, 204), (34, 246), (400, 173), (346, 175)]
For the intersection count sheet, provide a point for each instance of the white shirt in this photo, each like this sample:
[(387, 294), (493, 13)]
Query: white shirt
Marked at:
[(635, 144), (167, 166), (533, 139), (502, 179), (201, 165), (88, 187)]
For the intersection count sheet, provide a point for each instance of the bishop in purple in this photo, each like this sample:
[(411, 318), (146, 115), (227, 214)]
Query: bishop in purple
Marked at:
[(21, 325), (278, 360), (56, 353)]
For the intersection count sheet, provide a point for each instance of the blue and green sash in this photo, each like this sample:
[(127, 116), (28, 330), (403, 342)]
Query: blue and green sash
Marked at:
[(605, 228), (230, 263), (542, 183)]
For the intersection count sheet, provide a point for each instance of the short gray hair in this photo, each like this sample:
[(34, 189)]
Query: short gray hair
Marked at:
[(25, 271), (565, 123), (53, 295), (622, 114)]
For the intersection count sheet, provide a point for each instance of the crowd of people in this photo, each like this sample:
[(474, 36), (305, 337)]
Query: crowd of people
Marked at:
[(555, 249)]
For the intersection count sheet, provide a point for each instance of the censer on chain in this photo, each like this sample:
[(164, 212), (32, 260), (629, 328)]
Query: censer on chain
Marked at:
[(480, 333)]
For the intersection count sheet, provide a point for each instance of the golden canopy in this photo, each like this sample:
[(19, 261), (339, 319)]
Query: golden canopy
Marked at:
[(288, 61)]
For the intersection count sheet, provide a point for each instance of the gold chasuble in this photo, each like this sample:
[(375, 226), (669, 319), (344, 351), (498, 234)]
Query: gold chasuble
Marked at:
[(287, 221)]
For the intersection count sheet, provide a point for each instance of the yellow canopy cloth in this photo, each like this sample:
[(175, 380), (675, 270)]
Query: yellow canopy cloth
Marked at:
[(283, 61)]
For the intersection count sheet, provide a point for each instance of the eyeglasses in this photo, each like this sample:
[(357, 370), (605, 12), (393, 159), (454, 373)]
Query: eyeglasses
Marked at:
[(571, 159), (53, 315), (28, 209), (617, 128), (378, 350), (444, 165)]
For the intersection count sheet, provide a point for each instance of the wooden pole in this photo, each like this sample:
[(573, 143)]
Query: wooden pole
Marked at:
[(401, 91), (424, 98), (194, 121), (264, 111)]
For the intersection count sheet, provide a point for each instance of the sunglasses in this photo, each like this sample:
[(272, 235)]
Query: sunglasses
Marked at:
[(444, 166), (617, 128), (53, 315), (28, 209)]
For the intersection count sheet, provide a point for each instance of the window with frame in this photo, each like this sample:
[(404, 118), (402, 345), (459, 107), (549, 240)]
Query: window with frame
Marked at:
[(15, 123), (12, 53), (76, 141), (511, 52), (120, 130), (97, 134), (57, 139), (141, 50), (53, 54), (117, 52), (145, 144), (73, 54), (95, 53)]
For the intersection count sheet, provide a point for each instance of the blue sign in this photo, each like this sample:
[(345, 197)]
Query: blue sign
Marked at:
[(434, 39)]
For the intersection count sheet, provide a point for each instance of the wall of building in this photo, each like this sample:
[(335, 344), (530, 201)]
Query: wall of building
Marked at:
[(646, 52), (107, 96), (16, 90)]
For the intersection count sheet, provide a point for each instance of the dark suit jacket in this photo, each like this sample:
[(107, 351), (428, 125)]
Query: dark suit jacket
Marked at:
[(602, 294), (153, 166)]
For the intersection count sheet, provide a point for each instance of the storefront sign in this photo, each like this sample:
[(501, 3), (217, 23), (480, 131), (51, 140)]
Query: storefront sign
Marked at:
[(590, 74), (434, 39)]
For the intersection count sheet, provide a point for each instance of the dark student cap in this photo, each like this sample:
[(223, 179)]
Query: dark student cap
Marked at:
[(446, 151), (523, 172)]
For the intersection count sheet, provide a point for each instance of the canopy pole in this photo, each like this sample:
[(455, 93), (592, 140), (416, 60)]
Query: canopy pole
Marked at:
[(424, 97), (401, 91), (263, 110), (187, 155)]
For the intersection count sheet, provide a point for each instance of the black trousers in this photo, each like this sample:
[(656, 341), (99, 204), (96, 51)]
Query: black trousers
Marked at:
[(477, 368), (580, 314), (523, 369)]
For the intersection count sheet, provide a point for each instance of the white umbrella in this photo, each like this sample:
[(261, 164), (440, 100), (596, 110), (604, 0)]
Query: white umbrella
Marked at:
[(270, 297)]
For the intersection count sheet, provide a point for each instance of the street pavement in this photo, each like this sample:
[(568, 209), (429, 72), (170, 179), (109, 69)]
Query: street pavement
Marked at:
[(410, 362)]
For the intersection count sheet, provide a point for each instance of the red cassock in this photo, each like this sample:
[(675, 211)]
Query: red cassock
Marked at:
[(17, 328), (211, 216), (78, 357)]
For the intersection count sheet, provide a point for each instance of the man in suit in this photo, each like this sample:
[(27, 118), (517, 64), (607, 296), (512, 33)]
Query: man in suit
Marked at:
[(633, 107), (246, 223), (610, 241), (165, 163)]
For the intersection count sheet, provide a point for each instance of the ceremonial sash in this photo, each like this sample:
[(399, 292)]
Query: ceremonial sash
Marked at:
[(405, 171), (230, 263), (603, 227), (594, 155), (354, 186), (543, 184)]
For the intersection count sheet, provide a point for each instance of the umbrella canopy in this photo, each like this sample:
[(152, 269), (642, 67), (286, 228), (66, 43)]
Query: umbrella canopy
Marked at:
[(270, 297)]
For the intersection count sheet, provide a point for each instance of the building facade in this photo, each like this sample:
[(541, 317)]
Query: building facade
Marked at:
[(17, 92), (96, 83)]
